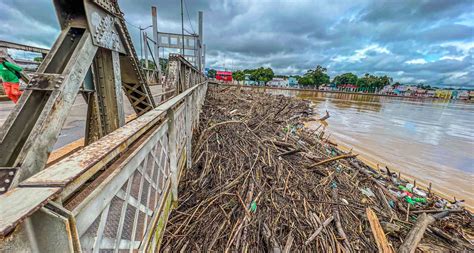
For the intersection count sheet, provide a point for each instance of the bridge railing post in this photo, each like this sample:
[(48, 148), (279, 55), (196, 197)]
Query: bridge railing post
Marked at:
[(189, 131), (173, 154)]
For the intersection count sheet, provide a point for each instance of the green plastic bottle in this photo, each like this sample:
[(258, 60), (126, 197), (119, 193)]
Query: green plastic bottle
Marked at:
[(419, 200), (409, 200)]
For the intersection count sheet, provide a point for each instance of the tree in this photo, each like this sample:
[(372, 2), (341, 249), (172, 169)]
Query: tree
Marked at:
[(262, 74), (318, 75), (151, 64), (238, 75), (211, 73), (163, 64), (305, 80), (346, 78)]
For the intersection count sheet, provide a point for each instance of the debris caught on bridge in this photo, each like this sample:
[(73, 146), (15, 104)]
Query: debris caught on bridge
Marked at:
[(262, 183)]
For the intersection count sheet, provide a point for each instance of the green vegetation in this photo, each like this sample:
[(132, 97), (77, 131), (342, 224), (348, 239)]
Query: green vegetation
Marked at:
[(151, 64), (347, 78), (238, 75), (38, 59), (211, 73), (371, 83), (261, 74), (315, 77)]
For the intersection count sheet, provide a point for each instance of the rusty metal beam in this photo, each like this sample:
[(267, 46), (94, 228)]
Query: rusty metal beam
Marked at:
[(18, 46)]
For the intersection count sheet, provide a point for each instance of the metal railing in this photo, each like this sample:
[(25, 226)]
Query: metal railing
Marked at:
[(113, 195)]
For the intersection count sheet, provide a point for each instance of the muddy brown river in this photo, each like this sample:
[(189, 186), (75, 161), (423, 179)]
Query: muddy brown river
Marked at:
[(431, 140)]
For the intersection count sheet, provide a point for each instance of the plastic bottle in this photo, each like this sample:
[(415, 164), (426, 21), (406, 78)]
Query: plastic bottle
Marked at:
[(419, 200), (409, 200)]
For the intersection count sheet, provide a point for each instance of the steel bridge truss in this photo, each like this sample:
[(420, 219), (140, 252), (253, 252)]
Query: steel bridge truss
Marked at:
[(116, 192), (93, 55)]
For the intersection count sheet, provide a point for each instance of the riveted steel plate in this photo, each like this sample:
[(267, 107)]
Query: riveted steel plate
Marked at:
[(103, 28), (43, 81)]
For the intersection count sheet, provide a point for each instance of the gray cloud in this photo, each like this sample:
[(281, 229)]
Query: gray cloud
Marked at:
[(413, 41)]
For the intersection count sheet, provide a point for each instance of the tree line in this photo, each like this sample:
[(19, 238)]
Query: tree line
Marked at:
[(258, 75), (316, 77)]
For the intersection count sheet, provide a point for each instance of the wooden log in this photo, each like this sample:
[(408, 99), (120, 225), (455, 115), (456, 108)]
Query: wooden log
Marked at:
[(316, 233), (377, 231), (289, 242), (416, 234), (337, 220), (332, 159), (325, 117), (437, 211)]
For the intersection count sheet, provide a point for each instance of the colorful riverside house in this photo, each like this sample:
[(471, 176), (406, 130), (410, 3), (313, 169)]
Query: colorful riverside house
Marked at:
[(444, 94), (292, 81), (348, 87), (224, 76), (247, 80), (387, 89), (278, 82), (430, 94), (421, 93)]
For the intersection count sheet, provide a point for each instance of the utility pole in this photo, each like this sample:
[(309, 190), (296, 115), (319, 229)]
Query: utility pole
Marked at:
[(156, 50), (182, 26), (200, 38)]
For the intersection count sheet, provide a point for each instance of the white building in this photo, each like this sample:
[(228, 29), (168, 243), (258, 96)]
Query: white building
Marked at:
[(278, 82)]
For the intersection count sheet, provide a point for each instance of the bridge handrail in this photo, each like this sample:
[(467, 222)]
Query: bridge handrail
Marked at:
[(22, 47)]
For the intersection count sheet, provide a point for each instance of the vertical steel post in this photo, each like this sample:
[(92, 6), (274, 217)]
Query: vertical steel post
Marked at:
[(182, 28), (156, 50), (173, 154), (189, 128), (204, 56), (146, 50), (105, 112), (200, 42)]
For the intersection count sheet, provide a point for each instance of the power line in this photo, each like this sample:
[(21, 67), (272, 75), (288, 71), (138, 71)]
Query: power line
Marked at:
[(136, 26), (189, 20)]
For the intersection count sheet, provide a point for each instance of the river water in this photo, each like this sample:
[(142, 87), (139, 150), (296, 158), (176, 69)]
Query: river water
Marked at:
[(431, 140)]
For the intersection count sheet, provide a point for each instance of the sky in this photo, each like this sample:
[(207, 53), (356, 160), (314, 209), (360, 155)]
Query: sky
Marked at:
[(413, 41)]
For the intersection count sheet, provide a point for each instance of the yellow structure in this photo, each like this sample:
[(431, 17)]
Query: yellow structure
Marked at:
[(446, 94)]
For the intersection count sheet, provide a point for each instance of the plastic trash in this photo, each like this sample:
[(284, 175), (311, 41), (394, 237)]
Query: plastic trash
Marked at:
[(419, 192), (419, 200), (406, 193), (409, 200), (403, 188), (367, 192), (344, 201), (395, 193), (253, 206), (441, 203), (391, 203), (409, 187)]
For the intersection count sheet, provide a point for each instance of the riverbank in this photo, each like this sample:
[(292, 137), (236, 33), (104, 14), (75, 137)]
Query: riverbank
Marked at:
[(379, 165), (328, 91), (260, 182)]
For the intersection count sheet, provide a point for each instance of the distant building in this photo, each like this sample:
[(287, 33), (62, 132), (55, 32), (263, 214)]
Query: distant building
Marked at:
[(278, 82), (430, 93), (247, 80), (348, 87), (224, 76), (387, 89), (445, 94), (292, 81)]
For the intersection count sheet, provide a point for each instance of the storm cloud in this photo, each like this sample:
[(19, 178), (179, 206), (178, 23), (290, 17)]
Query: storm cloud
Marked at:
[(412, 41)]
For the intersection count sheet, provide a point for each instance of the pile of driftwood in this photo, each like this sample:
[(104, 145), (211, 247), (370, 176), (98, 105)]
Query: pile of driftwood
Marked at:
[(260, 182)]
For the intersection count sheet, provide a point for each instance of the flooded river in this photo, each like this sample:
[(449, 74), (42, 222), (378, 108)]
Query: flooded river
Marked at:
[(431, 140)]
